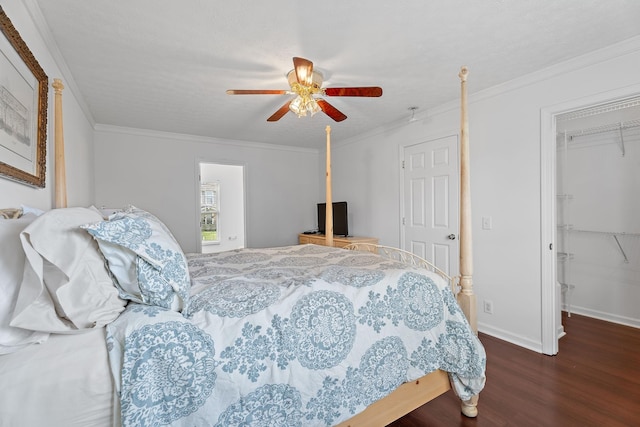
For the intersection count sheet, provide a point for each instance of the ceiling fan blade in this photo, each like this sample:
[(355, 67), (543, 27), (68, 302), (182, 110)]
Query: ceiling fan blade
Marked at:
[(304, 70), (280, 113), (256, 92), (331, 111), (353, 91)]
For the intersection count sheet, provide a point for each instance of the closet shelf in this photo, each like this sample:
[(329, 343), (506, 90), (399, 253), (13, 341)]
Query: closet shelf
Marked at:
[(613, 127), (613, 234), (622, 131), (609, 233)]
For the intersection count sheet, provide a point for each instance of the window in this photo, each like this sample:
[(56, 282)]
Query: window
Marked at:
[(209, 210)]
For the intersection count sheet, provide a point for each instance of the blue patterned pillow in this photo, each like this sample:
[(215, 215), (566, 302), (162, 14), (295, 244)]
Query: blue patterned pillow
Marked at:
[(145, 259)]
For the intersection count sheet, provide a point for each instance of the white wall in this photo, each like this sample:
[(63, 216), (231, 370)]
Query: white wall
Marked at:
[(157, 172), (78, 128), (505, 144), (231, 225)]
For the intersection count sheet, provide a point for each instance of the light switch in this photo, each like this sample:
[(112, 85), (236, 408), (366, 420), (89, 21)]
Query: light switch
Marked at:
[(486, 223)]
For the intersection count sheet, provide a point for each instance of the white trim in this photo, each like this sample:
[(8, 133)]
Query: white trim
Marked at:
[(578, 63), (550, 297), (198, 162), (518, 340), (198, 179), (548, 294), (601, 315), (401, 157), (199, 139)]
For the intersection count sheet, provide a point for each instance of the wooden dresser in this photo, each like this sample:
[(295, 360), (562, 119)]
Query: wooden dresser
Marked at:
[(339, 242)]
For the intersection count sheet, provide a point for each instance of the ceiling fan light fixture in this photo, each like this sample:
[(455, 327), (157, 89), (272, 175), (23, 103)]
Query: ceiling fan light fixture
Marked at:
[(313, 107), (303, 105), (306, 85)]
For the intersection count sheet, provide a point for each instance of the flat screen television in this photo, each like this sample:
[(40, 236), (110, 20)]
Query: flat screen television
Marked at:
[(340, 222)]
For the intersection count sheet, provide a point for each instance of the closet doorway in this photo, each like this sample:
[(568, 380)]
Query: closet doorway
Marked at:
[(598, 211), (593, 265), (221, 207)]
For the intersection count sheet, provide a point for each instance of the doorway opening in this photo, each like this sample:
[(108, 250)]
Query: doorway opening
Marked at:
[(588, 150), (221, 207), (598, 154)]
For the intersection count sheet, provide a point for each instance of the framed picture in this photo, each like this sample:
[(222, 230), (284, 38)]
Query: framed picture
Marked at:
[(23, 110)]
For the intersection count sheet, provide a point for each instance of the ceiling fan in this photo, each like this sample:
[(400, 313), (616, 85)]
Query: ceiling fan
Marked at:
[(306, 84)]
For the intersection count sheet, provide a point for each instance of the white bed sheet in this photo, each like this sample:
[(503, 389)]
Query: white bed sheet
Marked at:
[(63, 382)]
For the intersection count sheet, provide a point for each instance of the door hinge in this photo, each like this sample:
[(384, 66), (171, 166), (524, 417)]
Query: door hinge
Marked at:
[(403, 221), (403, 164)]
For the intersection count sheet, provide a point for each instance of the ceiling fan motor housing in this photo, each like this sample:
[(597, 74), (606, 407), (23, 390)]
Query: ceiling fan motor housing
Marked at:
[(316, 80)]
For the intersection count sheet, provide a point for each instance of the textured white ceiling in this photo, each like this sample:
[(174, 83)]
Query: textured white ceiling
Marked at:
[(165, 65)]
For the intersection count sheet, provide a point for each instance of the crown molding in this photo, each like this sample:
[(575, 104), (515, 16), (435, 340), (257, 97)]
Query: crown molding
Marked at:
[(607, 53), (199, 139)]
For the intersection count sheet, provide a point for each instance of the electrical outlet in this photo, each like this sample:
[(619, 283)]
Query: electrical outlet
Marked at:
[(488, 307), (486, 223)]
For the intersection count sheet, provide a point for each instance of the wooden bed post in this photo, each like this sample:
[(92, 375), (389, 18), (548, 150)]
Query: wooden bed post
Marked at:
[(411, 395), (328, 223), (60, 170), (466, 297)]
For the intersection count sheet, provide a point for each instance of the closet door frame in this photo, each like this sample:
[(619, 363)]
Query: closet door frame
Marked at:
[(550, 291)]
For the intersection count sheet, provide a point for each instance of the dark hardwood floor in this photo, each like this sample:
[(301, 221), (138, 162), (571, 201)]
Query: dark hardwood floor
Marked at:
[(594, 380)]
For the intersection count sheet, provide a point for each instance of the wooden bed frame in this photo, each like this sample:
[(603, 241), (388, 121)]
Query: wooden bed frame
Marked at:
[(408, 396)]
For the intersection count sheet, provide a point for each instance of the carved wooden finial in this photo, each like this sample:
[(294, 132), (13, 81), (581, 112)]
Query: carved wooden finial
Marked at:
[(463, 73), (57, 85)]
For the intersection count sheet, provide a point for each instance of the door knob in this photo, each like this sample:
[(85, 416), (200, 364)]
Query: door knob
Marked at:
[(451, 236)]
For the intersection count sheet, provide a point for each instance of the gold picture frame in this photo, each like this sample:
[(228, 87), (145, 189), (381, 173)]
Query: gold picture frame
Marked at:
[(23, 110)]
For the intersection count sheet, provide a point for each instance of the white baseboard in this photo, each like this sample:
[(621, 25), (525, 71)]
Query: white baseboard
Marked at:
[(537, 346), (609, 317), (511, 338)]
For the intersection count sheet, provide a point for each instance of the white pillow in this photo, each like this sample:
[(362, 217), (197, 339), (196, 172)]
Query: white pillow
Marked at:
[(66, 286), (145, 258), (30, 210), (11, 268)]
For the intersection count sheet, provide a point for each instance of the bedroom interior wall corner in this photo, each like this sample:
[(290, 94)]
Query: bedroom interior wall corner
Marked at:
[(165, 185)]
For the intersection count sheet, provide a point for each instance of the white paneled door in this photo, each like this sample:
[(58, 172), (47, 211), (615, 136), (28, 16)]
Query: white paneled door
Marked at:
[(430, 202)]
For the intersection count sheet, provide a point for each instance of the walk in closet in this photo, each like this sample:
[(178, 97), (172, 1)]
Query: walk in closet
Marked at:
[(598, 211)]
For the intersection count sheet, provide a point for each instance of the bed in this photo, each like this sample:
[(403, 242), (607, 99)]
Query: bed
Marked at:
[(106, 322)]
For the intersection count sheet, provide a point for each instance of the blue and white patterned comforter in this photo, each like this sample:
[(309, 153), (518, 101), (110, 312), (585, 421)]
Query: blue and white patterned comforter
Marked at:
[(294, 336)]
